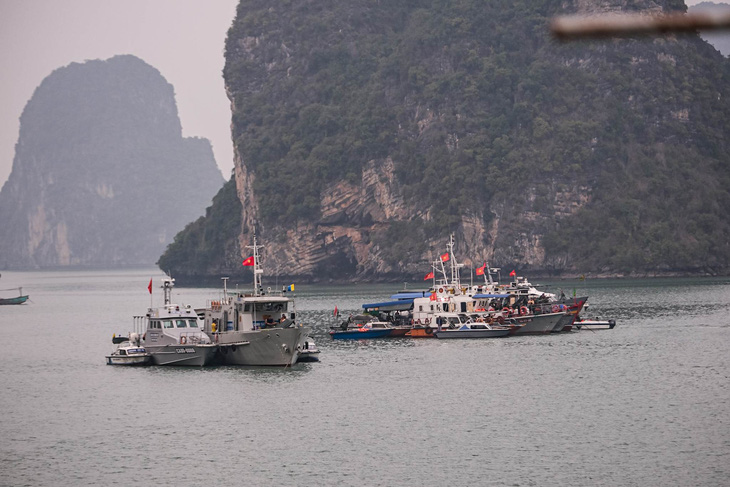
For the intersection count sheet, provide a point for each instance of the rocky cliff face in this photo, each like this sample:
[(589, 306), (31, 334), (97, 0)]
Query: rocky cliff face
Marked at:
[(365, 135), (102, 175)]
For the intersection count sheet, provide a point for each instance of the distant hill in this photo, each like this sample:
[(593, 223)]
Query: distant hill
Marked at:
[(367, 132), (719, 39), (102, 175)]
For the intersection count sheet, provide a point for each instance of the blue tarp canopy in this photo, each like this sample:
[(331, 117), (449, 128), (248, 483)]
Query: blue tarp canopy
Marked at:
[(483, 296), (411, 295), (400, 305)]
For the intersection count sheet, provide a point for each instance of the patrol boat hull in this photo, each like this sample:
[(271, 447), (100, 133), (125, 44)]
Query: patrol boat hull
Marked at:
[(184, 355), (268, 346)]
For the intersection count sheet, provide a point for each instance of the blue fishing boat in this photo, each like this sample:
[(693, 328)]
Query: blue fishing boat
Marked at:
[(361, 327), (15, 300)]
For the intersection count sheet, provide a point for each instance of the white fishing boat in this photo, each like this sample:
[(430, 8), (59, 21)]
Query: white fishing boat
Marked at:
[(174, 333), (309, 353), (454, 325), (129, 351), (255, 328)]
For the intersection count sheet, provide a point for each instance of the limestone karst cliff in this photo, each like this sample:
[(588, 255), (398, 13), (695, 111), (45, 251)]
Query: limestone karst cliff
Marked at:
[(366, 133), (102, 175)]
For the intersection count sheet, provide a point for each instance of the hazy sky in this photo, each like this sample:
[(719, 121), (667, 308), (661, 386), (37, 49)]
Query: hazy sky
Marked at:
[(183, 39)]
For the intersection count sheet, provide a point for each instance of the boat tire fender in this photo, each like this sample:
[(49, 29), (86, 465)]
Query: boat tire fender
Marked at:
[(183, 340), (429, 330)]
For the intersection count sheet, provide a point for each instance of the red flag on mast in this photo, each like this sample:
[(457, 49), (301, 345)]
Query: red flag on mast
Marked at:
[(513, 273), (480, 270), (248, 261), (149, 287), (445, 257), (428, 276)]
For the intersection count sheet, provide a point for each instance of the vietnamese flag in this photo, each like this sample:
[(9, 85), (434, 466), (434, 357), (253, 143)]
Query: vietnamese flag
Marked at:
[(513, 273), (428, 276), (149, 287), (480, 270), (248, 261), (433, 297), (445, 257)]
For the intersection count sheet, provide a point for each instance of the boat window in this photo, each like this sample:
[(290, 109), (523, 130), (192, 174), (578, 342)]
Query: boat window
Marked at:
[(181, 323), (193, 323), (168, 324), (247, 307)]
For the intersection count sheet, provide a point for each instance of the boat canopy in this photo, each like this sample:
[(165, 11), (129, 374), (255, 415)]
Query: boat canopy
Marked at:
[(483, 296), (400, 305), (411, 295)]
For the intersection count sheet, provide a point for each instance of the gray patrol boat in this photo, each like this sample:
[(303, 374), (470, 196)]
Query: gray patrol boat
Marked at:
[(173, 334), (256, 328)]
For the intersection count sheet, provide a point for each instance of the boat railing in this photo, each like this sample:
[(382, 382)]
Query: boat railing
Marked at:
[(193, 337)]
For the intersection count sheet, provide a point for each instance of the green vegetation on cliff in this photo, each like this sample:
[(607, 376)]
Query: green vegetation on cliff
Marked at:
[(482, 113)]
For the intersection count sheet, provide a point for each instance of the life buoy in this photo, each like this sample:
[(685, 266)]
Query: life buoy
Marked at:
[(441, 290), (429, 330), (555, 308), (183, 340), (524, 310)]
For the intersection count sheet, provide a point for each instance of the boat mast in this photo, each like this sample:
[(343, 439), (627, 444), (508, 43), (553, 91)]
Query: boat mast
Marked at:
[(455, 266), (257, 270)]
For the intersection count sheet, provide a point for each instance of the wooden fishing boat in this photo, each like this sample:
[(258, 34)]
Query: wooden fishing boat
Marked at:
[(20, 299)]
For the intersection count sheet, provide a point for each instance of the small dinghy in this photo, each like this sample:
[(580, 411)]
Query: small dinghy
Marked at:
[(128, 352), (595, 324)]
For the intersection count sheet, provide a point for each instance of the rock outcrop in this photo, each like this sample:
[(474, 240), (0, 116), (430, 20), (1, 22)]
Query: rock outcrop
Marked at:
[(102, 175), (366, 134)]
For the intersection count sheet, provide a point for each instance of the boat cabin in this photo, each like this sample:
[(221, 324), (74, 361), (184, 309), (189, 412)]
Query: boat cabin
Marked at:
[(246, 313)]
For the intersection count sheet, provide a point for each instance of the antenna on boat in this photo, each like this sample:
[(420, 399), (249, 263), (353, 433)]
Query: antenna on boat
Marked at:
[(455, 266), (167, 284), (225, 288)]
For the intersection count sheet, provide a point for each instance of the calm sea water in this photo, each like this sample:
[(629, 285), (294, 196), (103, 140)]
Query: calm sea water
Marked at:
[(647, 403)]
